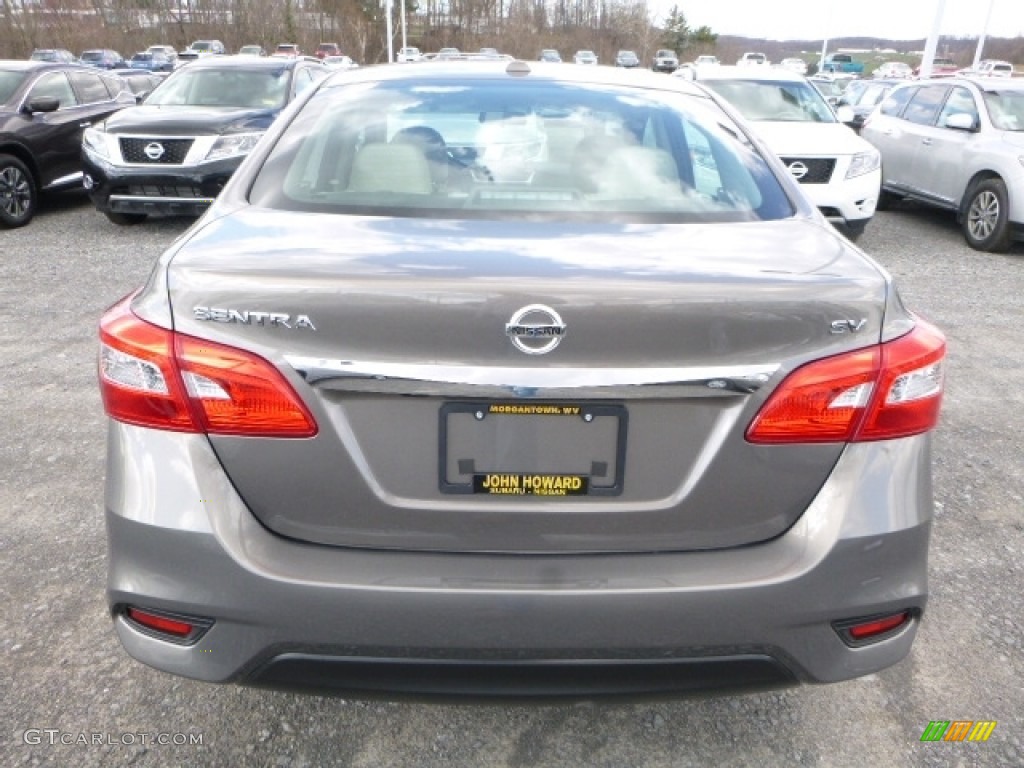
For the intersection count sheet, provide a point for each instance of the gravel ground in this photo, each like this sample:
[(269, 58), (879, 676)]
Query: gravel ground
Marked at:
[(65, 678)]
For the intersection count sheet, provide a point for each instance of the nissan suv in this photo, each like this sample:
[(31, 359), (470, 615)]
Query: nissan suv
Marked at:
[(175, 152), (837, 170), (43, 108), (956, 144)]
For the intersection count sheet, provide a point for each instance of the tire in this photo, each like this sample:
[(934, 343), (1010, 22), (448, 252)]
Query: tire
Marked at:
[(886, 201), (854, 229), (125, 219), (986, 217), (18, 195)]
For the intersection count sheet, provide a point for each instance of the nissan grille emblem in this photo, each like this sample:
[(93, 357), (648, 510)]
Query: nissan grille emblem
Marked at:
[(535, 329), (797, 169), (154, 150)]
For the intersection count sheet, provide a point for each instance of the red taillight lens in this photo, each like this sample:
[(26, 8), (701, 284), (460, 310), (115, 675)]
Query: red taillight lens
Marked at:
[(153, 377), (879, 393), (240, 393), (138, 380)]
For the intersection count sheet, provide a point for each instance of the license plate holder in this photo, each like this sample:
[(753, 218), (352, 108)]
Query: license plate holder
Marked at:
[(516, 449)]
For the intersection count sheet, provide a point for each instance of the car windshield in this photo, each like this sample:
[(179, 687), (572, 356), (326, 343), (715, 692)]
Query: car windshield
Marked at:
[(201, 46), (771, 100), (1006, 109), (9, 83), (234, 87), (540, 150), (142, 57), (92, 56)]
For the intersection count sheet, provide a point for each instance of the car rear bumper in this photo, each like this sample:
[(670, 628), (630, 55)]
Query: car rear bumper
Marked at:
[(292, 615)]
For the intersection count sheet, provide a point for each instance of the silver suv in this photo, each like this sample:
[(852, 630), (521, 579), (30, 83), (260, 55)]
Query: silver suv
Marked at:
[(956, 144)]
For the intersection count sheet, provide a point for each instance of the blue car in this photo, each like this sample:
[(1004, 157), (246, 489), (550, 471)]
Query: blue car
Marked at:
[(102, 58), (151, 60)]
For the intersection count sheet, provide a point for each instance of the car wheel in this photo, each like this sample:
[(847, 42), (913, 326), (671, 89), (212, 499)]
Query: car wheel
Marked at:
[(17, 193), (125, 219), (886, 200), (986, 219), (854, 229)]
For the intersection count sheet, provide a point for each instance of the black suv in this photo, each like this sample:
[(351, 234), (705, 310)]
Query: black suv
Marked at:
[(174, 153), (43, 110)]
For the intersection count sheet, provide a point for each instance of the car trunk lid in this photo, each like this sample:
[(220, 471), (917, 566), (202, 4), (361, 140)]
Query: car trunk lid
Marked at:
[(438, 431)]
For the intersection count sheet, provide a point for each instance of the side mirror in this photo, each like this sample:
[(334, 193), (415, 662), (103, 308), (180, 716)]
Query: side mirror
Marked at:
[(960, 121), (43, 104), (845, 114)]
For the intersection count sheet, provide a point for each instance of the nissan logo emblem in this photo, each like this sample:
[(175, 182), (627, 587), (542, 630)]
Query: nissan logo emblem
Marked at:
[(535, 329), (798, 169), (154, 150)]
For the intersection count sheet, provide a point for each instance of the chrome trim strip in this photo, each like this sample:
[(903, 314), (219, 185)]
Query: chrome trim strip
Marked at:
[(71, 178), (470, 381), (158, 199)]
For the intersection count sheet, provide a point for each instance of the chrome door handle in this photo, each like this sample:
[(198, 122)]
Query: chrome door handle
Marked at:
[(926, 142), (86, 124)]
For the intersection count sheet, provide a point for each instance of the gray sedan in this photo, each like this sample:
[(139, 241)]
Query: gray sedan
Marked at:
[(516, 379)]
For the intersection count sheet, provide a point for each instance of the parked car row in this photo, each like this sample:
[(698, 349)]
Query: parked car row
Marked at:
[(168, 171), (64, 125)]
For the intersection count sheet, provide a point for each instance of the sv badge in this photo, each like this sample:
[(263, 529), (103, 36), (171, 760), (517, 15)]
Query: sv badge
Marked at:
[(848, 326)]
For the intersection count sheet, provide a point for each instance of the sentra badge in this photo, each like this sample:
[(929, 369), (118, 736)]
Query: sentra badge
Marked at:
[(535, 329), (252, 317)]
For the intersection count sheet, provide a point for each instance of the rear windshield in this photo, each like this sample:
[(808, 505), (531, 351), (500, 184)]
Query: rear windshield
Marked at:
[(482, 149), (229, 87)]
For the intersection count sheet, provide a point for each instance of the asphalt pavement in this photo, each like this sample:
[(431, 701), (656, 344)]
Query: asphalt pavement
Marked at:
[(71, 696)]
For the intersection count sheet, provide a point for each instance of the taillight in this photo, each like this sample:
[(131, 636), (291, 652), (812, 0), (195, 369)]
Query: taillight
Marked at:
[(878, 393), (157, 378)]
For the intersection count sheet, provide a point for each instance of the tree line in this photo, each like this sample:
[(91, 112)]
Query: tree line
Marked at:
[(518, 27)]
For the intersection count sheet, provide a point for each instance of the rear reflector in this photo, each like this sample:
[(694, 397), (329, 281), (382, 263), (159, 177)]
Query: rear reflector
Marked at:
[(174, 628), (160, 624), (154, 377), (863, 631), (878, 393)]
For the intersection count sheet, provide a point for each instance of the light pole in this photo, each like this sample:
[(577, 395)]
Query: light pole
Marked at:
[(403, 24), (984, 32), (390, 30), (933, 41)]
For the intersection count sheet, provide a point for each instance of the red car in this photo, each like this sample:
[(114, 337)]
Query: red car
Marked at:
[(328, 49), (941, 67)]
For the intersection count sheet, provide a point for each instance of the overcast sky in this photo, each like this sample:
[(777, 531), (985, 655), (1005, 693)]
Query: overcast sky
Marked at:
[(813, 19)]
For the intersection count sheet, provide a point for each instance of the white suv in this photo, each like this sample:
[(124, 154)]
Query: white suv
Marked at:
[(956, 144), (837, 170)]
